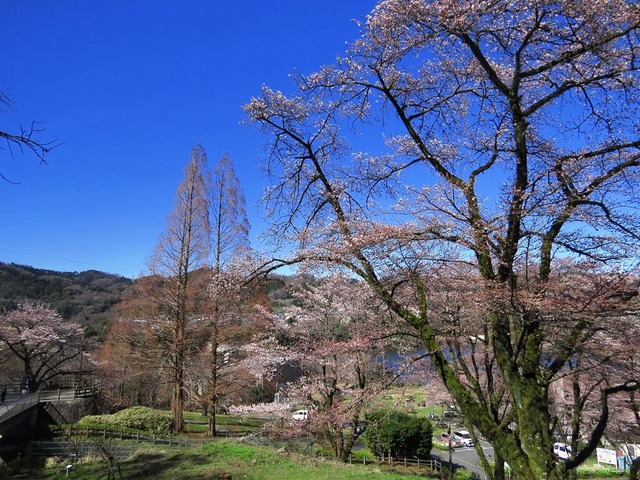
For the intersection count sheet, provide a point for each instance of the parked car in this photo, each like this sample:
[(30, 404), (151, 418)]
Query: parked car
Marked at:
[(446, 439), (464, 437), (562, 451), (300, 415)]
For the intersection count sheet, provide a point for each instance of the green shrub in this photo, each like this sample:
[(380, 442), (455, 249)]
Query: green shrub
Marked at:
[(21, 467), (599, 471), (462, 474), (259, 394), (398, 434), (138, 418), (440, 445)]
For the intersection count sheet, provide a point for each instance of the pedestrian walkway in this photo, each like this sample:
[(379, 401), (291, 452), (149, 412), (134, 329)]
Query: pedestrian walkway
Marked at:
[(17, 403)]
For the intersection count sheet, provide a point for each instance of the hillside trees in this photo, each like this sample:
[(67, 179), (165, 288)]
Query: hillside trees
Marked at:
[(512, 154), (46, 346), (130, 361)]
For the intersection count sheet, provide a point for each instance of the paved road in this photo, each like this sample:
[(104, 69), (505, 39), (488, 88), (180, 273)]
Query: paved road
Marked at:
[(466, 457)]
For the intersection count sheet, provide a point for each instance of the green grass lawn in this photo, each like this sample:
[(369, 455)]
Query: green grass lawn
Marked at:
[(196, 423), (220, 460)]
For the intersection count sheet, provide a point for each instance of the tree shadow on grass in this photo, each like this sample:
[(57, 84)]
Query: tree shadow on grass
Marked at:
[(161, 465)]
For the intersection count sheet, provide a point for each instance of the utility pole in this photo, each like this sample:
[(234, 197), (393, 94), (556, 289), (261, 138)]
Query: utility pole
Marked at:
[(450, 452)]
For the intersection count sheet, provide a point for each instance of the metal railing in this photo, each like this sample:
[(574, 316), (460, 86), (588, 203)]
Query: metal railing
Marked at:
[(65, 394)]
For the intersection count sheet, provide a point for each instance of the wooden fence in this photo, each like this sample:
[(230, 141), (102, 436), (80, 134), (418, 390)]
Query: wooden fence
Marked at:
[(122, 434), (432, 464)]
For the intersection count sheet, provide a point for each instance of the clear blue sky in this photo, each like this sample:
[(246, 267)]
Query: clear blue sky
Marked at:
[(128, 88)]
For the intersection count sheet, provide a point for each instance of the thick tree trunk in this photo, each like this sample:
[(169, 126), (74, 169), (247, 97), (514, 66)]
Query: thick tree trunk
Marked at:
[(498, 469), (212, 417), (177, 398), (213, 381), (634, 472), (211, 420)]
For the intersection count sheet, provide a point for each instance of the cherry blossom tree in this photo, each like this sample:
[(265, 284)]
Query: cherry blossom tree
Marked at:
[(511, 148), (623, 430), (602, 359), (334, 335), (47, 346)]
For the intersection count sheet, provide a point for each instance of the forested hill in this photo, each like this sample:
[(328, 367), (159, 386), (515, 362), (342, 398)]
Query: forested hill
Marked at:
[(89, 297), (84, 297)]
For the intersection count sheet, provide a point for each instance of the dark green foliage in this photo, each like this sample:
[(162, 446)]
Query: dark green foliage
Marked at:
[(462, 474), (138, 418), (398, 434), (259, 394), (21, 467)]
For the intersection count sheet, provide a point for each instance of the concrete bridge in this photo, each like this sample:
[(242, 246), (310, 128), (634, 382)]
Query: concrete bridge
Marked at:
[(23, 415), (15, 404)]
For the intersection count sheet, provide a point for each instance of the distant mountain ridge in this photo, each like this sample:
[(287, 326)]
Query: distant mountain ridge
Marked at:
[(84, 297), (89, 297)]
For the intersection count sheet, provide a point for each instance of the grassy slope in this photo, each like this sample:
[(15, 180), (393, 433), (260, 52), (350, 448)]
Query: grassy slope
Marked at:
[(221, 460)]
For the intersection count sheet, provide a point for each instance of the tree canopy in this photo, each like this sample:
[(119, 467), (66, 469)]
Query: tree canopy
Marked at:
[(511, 165), (43, 343)]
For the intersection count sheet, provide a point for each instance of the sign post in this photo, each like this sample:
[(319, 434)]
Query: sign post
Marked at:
[(607, 456)]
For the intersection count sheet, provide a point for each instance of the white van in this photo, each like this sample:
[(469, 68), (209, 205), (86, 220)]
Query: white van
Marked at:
[(562, 451), (300, 415), (464, 437)]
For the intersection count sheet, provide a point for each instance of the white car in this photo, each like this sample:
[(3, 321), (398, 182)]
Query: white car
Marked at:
[(562, 451), (300, 415), (463, 437)]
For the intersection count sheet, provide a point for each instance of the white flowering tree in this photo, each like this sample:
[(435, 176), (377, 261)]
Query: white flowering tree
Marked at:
[(335, 337), (46, 345), (512, 146)]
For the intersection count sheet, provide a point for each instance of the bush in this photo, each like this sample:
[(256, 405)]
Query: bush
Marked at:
[(398, 434), (138, 418), (599, 471), (259, 394), (21, 467), (440, 445), (462, 474)]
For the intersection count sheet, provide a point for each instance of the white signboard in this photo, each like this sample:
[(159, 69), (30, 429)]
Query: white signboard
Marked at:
[(607, 456)]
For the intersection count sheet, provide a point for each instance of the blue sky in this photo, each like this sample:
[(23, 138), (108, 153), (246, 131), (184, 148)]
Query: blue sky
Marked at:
[(128, 88)]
